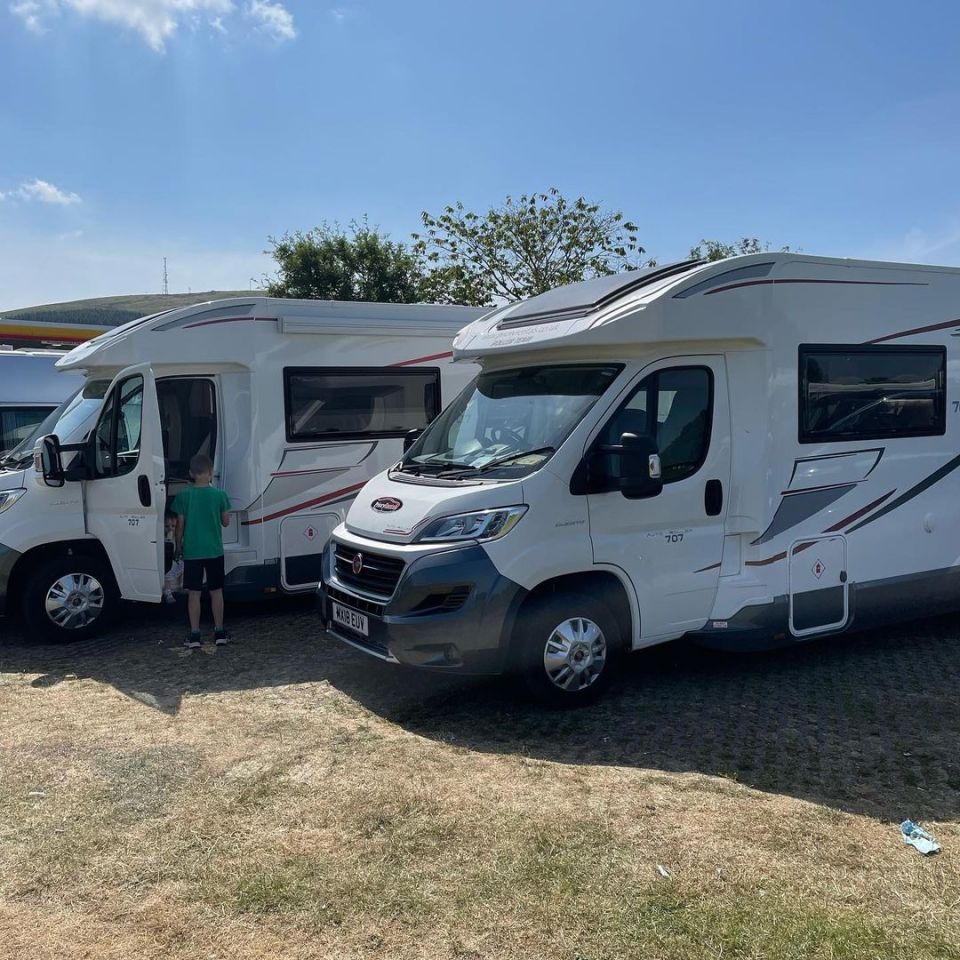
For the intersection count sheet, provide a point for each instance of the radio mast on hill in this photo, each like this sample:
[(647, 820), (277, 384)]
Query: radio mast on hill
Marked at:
[(166, 290)]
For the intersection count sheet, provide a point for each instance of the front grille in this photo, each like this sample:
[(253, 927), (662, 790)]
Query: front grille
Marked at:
[(443, 602), (358, 603), (379, 574)]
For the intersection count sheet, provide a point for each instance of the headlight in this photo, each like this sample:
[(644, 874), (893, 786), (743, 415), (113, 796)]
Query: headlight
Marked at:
[(9, 497), (479, 525)]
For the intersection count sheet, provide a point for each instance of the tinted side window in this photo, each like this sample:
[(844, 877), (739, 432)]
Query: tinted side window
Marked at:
[(353, 403), (870, 393), (673, 406)]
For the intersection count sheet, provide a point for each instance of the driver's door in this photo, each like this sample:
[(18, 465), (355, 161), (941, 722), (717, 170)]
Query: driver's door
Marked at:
[(125, 497)]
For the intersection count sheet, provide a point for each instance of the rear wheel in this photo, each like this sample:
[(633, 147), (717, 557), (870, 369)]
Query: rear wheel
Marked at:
[(69, 598), (570, 646)]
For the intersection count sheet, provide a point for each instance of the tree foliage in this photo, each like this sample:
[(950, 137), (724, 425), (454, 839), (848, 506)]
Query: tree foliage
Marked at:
[(330, 263), (526, 246), (718, 250)]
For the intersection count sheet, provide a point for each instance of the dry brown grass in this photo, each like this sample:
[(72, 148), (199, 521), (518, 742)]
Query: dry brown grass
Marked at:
[(288, 797)]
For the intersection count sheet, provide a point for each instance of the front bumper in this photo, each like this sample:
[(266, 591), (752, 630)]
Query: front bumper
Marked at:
[(8, 559), (451, 611)]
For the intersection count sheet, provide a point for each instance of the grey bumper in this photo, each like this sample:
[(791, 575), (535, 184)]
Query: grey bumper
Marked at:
[(8, 559), (451, 611)]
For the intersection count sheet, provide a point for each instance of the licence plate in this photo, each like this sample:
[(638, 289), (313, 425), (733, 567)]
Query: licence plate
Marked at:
[(357, 622)]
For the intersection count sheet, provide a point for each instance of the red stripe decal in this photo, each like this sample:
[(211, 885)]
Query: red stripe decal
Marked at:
[(909, 333), (856, 516), (410, 363), (305, 505), (207, 323), (769, 560), (860, 283)]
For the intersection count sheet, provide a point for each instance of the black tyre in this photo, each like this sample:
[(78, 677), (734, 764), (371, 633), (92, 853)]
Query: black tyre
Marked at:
[(69, 598), (569, 647)]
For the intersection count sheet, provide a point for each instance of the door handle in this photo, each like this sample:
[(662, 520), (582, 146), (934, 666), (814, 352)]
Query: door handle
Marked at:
[(143, 488), (713, 498)]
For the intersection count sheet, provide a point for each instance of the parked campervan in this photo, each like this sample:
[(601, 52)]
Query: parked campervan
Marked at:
[(298, 403), (30, 389), (751, 452)]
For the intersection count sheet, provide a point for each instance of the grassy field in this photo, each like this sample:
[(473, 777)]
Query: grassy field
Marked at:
[(113, 311), (289, 797)]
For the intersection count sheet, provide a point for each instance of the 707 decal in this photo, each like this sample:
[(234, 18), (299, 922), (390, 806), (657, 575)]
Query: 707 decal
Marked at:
[(671, 536), (956, 406)]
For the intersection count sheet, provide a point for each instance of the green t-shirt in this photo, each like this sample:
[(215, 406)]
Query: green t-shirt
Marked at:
[(200, 508)]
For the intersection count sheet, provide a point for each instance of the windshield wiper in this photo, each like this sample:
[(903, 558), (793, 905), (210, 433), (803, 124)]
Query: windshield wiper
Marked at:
[(501, 461)]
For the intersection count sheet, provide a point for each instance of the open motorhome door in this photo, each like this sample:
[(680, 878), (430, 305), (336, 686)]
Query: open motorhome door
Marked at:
[(125, 499)]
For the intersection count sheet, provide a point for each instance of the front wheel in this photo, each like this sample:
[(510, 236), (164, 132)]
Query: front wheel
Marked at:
[(570, 646), (69, 598)]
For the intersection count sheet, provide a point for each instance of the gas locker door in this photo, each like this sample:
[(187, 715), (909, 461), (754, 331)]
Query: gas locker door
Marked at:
[(819, 592), (125, 500), (670, 546)]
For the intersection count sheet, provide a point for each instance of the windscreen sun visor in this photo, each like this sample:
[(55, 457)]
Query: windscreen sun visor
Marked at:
[(579, 299)]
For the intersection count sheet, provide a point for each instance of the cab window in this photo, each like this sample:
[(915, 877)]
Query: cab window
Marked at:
[(117, 437), (675, 407)]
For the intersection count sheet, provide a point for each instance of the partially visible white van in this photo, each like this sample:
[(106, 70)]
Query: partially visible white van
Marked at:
[(30, 389)]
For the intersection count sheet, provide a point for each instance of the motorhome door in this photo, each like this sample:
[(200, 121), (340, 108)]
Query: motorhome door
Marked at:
[(125, 498), (671, 545)]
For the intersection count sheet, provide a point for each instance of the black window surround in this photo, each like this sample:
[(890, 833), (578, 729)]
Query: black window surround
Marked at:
[(651, 384), (377, 376), (872, 395)]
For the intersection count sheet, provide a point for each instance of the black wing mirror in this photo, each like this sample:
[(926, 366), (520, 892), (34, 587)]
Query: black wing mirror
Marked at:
[(49, 461), (631, 466), (640, 475)]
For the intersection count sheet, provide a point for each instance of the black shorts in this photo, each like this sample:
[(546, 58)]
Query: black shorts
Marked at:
[(193, 571)]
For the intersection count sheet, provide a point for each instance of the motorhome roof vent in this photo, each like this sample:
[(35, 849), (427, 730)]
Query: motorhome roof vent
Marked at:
[(578, 299), (755, 272)]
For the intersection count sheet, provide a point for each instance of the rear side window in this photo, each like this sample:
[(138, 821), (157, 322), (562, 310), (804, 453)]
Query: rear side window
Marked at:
[(871, 393), (353, 403)]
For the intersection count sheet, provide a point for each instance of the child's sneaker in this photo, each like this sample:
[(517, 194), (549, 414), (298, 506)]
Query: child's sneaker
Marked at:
[(169, 598), (192, 642), (221, 637)]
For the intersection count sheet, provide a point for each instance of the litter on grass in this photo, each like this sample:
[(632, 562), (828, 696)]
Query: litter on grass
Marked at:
[(917, 837)]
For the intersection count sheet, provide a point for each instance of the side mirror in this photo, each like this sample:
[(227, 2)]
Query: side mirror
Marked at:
[(639, 475), (411, 438), (49, 461), (631, 466)]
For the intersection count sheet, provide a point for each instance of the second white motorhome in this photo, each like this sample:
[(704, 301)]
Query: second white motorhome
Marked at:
[(751, 452), (297, 402), (30, 390)]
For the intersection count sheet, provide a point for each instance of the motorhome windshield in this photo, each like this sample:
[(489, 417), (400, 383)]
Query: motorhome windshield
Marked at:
[(508, 423), (65, 422)]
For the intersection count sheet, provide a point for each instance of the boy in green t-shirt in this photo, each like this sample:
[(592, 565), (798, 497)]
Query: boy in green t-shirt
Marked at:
[(202, 511)]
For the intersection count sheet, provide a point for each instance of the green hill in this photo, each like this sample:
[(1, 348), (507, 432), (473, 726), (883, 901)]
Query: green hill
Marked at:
[(112, 311)]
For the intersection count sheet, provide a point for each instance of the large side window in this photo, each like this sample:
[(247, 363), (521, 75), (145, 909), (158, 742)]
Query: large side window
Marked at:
[(351, 403), (871, 392), (117, 436), (675, 407)]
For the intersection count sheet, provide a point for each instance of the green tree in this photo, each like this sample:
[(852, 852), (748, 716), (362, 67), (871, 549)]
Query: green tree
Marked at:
[(330, 263), (718, 250), (525, 246)]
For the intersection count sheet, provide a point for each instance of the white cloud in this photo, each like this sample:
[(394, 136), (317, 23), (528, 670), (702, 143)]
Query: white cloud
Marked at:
[(157, 21), (34, 13), (273, 18), (44, 192), (939, 244)]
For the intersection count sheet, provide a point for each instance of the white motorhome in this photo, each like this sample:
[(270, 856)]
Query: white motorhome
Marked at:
[(30, 389), (297, 402), (752, 452)]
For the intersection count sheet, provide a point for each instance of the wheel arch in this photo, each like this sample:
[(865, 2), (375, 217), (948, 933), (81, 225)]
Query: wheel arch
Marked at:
[(605, 585), (32, 559)]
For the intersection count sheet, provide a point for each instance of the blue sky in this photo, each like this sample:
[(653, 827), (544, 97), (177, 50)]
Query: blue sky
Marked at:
[(131, 130)]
